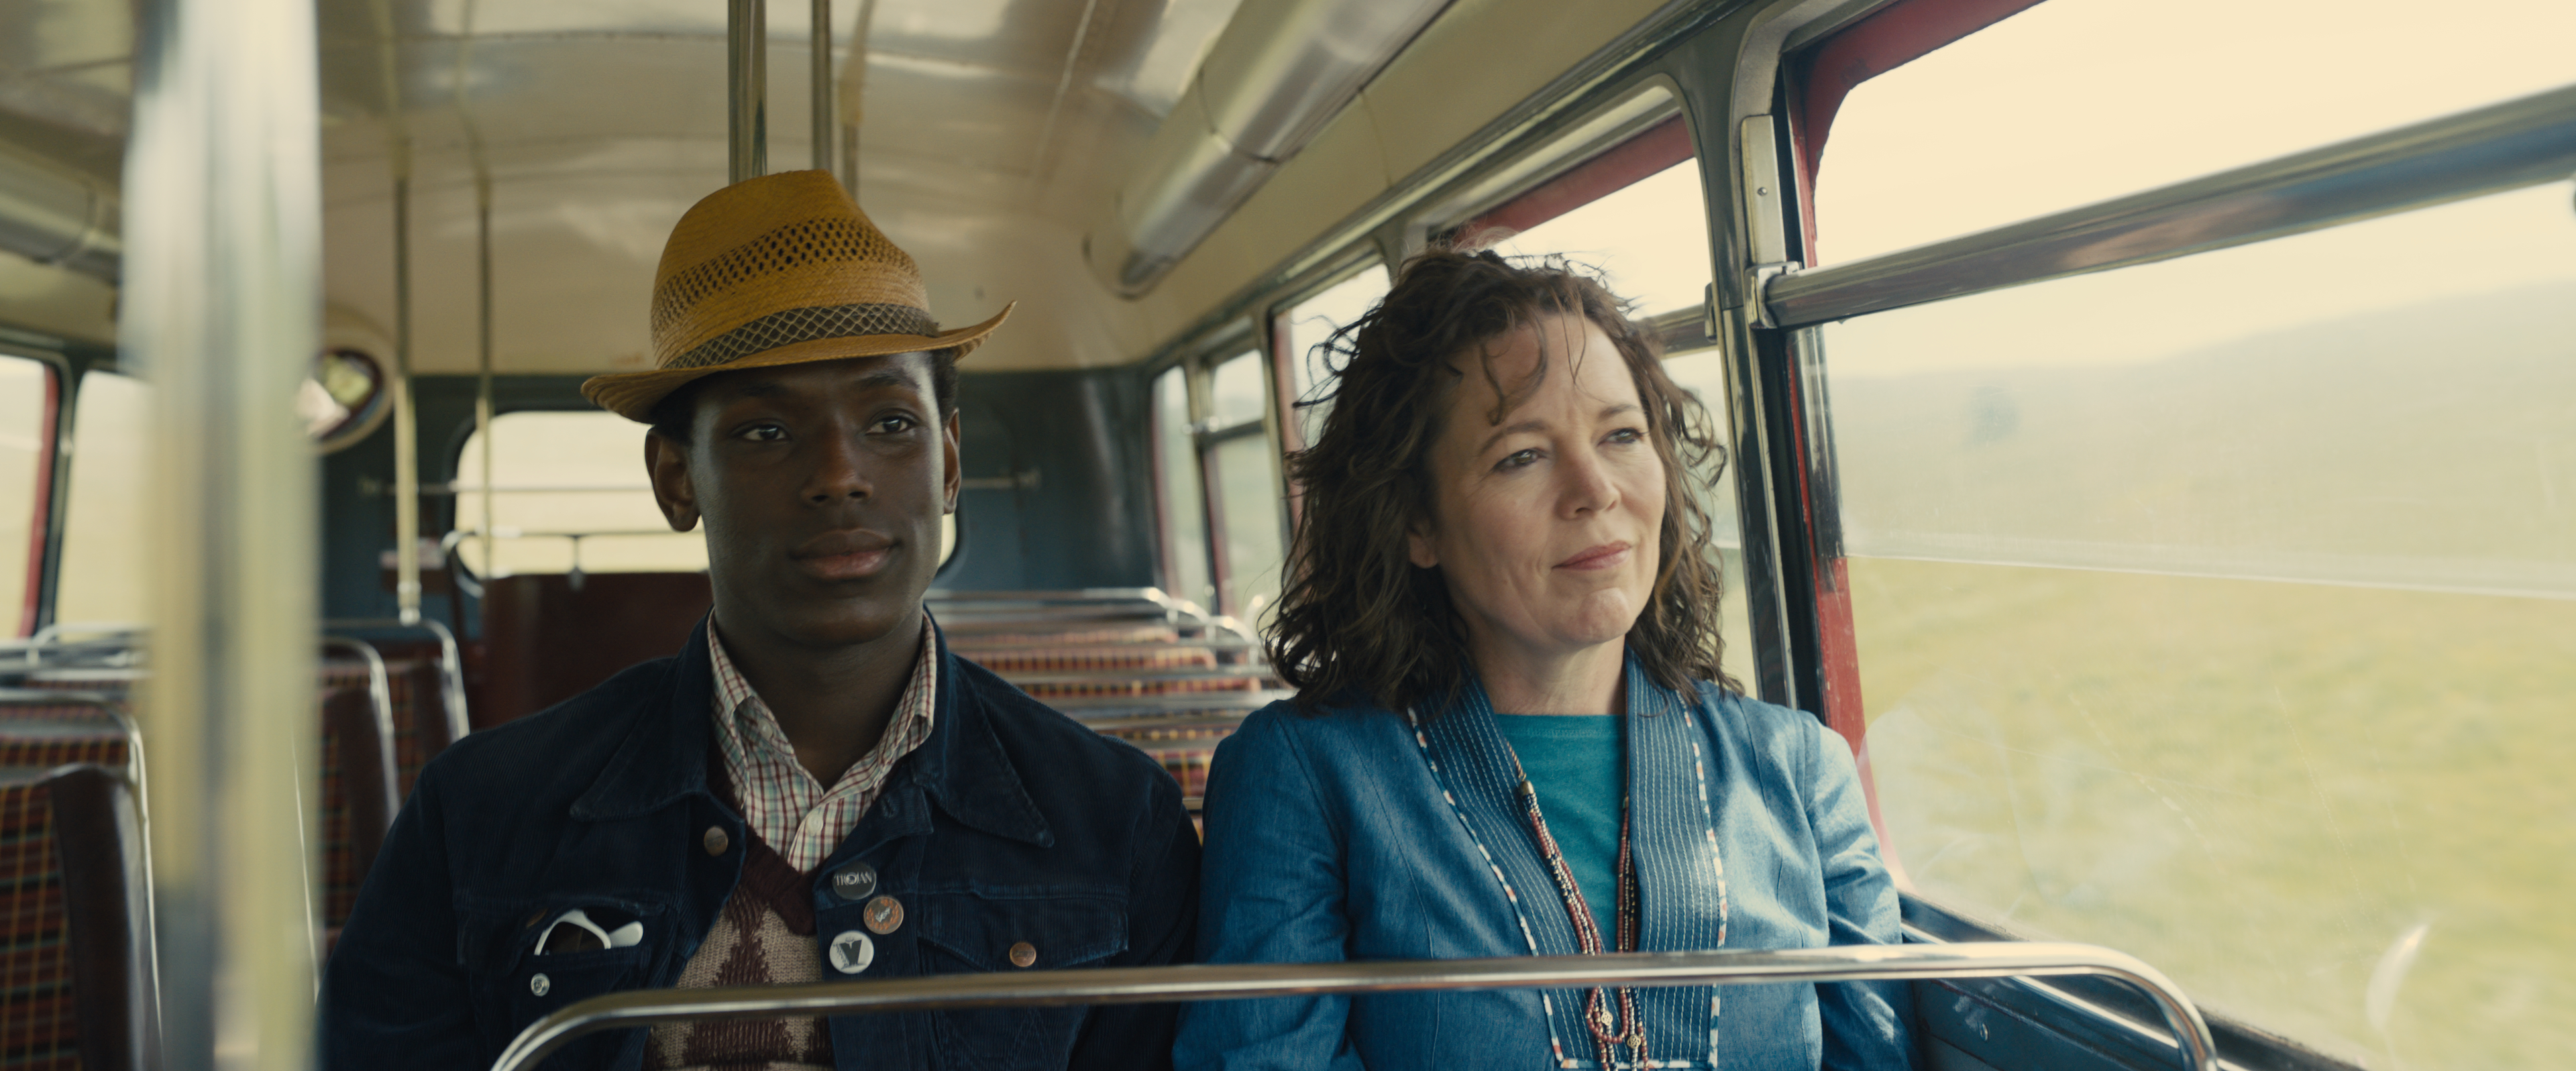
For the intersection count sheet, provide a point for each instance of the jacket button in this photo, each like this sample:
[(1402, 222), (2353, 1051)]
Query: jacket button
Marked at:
[(854, 883), (1023, 954), (884, 914), (852, 951), (538, 985), (716, 841)]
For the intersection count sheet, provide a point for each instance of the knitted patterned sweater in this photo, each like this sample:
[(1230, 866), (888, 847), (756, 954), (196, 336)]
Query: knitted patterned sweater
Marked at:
[(764, 936)]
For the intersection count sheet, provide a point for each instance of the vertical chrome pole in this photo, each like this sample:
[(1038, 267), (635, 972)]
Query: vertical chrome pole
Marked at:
[(747, 67), (406, 426), (822, 90), (221, 311), (854, 75), (406, 419), (483, 366)]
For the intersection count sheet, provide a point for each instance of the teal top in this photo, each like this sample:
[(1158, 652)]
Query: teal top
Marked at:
[(1574, 763)]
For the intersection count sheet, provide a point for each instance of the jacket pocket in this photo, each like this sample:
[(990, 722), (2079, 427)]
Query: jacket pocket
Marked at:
[(989, 933), (513, 985)]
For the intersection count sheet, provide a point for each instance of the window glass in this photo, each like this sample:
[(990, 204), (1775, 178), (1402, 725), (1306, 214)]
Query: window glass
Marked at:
[(1703, 372), (26, 448), (1184, 501), (104, 518), (567, 487), (2240, 638), (1649, 237), (1248, 491), (1309, 324), (2077, 101), (1237, 391)]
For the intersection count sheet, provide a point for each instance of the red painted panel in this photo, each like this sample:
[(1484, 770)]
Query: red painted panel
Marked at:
[(1631, 161), (1891, 38), (42, 522)]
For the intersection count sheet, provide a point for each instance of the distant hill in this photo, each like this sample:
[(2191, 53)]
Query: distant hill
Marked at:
[(2431, 445)]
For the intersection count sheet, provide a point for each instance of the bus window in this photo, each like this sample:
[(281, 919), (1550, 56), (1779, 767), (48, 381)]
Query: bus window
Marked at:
[(1703, 372), (1183, 502), (2238, 635), (1245, 477), (27, 400), (1942, 146), (104, 520), (567, 487), (1645, 236), (1308, 324), (569, 491)]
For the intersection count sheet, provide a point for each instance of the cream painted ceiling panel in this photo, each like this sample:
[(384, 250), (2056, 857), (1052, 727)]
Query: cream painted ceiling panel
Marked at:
[(44, 298), (1337, 173), (1441, 89), (1447, 86)]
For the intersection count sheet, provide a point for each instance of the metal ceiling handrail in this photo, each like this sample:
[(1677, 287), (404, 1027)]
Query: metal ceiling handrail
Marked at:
[(2500, 147), (1154, 985)]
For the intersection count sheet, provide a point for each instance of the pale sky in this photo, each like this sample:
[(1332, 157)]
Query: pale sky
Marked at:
[(2034, 115)]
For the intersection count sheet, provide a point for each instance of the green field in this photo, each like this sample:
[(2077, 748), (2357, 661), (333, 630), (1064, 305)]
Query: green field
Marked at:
[(2256, 786)]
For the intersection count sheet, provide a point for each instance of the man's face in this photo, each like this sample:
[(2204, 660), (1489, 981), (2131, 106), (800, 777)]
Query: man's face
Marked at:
[(821, 485)]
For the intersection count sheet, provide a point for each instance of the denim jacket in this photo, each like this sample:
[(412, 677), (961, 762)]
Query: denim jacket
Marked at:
[(1358, 835), (1010, 824)]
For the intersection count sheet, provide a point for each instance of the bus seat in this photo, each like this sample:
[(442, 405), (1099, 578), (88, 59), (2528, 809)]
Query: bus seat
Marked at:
[(73, 929), (97, 843), (546, 640), (419, 708), (1174, 690), (358, 801)]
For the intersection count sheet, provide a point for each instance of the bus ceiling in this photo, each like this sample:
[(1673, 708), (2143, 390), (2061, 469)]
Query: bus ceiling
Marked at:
[(1067, 156)]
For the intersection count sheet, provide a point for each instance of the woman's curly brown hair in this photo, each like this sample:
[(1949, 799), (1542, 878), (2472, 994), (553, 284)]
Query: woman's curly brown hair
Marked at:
[(1358, 619)]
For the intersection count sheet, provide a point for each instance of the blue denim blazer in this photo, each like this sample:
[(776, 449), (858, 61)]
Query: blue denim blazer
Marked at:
[(1356, 835), (1011, 823)]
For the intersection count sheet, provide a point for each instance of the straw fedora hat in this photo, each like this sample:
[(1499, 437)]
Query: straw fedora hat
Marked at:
[(781, 269)]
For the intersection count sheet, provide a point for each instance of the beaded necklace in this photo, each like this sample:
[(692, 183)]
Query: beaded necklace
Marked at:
[(1627, 1028)]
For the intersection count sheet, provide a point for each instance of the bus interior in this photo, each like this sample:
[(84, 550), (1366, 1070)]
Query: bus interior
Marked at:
[(2151, 435)]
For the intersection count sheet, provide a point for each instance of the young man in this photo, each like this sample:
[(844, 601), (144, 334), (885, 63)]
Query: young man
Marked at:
[(814, 787)]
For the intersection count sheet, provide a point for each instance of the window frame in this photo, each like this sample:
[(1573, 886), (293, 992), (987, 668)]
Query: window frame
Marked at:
[(455, 491), (1781, 118), (1239, 339), (44, 522)]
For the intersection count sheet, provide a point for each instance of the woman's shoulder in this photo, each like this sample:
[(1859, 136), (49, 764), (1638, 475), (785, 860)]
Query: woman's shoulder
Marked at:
[(1350, 720), (1784, 734)]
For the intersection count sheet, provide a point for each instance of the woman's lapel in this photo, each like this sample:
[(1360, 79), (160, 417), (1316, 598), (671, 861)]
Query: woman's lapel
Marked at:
[(1474, 765), (1674, 826)]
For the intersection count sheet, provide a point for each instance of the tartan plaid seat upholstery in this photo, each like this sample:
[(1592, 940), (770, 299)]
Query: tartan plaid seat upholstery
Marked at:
[(965, 641), (71, 991), (356, 804), (419, 699), (1184, 749), (1091, 659)]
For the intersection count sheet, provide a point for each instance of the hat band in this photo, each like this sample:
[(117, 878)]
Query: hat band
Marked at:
[(805, 325)]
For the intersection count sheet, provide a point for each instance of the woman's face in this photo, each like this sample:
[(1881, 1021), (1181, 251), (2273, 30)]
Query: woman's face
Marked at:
[(1545, 524)]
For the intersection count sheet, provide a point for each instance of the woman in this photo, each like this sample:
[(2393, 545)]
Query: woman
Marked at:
[(1511, 735)]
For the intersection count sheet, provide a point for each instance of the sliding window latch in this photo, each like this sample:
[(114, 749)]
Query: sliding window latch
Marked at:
[(1757, 292)]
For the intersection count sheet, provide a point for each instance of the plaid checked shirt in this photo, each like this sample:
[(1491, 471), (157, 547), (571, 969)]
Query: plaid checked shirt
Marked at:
[(781, 801)]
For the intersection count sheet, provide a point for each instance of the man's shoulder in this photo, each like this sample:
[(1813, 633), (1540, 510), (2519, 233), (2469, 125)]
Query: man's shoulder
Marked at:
[(565, 744)]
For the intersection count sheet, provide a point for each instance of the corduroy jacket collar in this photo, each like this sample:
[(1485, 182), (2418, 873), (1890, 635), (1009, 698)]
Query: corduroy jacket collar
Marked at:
[(962, 767)]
